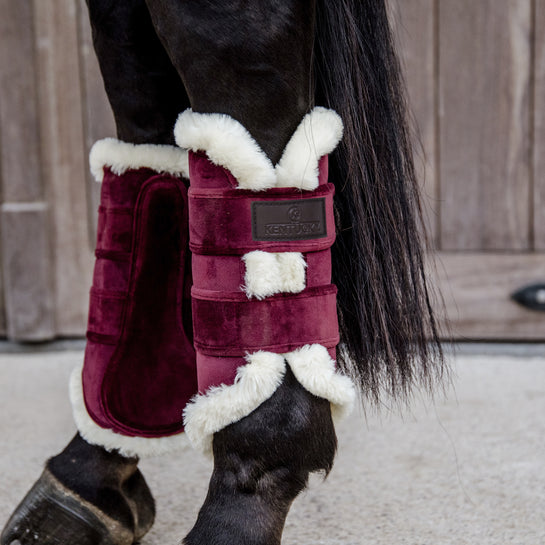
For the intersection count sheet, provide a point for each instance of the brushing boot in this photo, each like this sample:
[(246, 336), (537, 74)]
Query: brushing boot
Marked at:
[(139, 368), (265, 321)]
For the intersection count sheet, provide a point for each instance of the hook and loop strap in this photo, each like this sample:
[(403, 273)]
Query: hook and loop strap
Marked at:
[(234, 221), (228, 324)]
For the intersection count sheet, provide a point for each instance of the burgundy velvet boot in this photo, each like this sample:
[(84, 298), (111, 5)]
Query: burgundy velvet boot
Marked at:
[(265, 321), (139, 368)]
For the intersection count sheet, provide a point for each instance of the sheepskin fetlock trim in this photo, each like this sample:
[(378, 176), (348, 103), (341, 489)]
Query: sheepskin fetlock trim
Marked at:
[(257, 381), (121, 156), (126, 445), (228, 144)]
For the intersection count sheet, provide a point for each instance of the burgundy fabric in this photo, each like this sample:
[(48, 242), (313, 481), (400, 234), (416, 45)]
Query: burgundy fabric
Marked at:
[(111, 275), (218, 272), (227, 324), (318, 271), (220, 220), (226, 272), (214, 370), (233, 325), (114, 229), (140, 369), (205, 174)]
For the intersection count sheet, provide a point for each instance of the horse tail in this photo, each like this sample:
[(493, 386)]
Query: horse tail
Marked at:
[(389, 336)]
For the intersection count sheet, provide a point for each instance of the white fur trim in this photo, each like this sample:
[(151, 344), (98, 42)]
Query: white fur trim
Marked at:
[(110, 440), (315, 370), (228, 144), (122, 156), (268, 273), (256, 382), (317, 135)]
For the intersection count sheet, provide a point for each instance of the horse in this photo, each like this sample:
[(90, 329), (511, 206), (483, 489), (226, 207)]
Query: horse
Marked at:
[(266, 66)]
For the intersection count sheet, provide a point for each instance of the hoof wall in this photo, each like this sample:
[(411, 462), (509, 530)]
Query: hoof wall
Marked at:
[(51, 514)]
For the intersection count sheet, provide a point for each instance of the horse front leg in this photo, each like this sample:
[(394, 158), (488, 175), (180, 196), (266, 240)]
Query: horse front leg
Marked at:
[(250, 60), (265, 415), (261, 463), (90, 493)]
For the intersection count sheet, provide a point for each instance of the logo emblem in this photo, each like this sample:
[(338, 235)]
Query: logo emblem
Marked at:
[(286, 220), (294, 214)]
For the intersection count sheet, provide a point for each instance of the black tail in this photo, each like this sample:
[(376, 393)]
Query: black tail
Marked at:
[(389, 335)]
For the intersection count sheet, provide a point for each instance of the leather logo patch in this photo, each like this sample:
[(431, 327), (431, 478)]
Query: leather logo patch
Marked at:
[(289, 220)]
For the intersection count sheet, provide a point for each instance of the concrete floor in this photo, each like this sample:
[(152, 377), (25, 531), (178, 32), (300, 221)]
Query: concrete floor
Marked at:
[(468, 469)]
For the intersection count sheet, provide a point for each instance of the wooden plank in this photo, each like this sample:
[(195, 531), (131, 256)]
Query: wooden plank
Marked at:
[(476, 288), (538, 158), (26, 267), (484, 79), (64, 159), (26, 279), (3, 317), (414, 30), (21, 176), (98, 119)]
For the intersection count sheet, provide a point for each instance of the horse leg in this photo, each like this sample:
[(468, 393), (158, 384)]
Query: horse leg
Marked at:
[(249, 60), (261, 463), (87, 494), (253, 64)]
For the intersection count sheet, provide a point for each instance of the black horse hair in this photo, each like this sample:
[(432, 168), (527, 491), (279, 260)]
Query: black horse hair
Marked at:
[(389, 335)]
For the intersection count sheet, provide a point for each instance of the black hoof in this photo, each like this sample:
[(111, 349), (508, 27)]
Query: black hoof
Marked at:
[(51, 514), (142, 504)]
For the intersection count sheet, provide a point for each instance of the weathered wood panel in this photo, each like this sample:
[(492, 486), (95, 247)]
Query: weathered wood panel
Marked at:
[(484, 90), (21, 176), (26, 263), (469, 73), (64, 167), (477, 287), (98, 119), (538, 158), (414, 23)]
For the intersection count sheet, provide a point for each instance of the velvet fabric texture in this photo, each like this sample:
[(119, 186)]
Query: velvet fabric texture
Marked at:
[(233, 325), (229, 323), (221, 221), (139, 369)]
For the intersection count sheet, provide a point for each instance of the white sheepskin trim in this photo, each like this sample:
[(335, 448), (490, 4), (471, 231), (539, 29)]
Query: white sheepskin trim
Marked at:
[(222, 405), (110, 440), (315, 370), (228, 144), (268, 273), (257, 381), (317, 135), (122, 156)]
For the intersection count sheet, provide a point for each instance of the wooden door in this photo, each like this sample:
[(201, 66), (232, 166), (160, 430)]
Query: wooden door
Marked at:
[(52, 107), (476, 77)]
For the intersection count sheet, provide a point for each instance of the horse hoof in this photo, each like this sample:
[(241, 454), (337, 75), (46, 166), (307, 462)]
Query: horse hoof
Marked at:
[(51, 514), (142, 504)]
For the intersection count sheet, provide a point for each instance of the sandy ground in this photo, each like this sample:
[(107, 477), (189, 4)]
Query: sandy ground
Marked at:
[(467, 469)]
